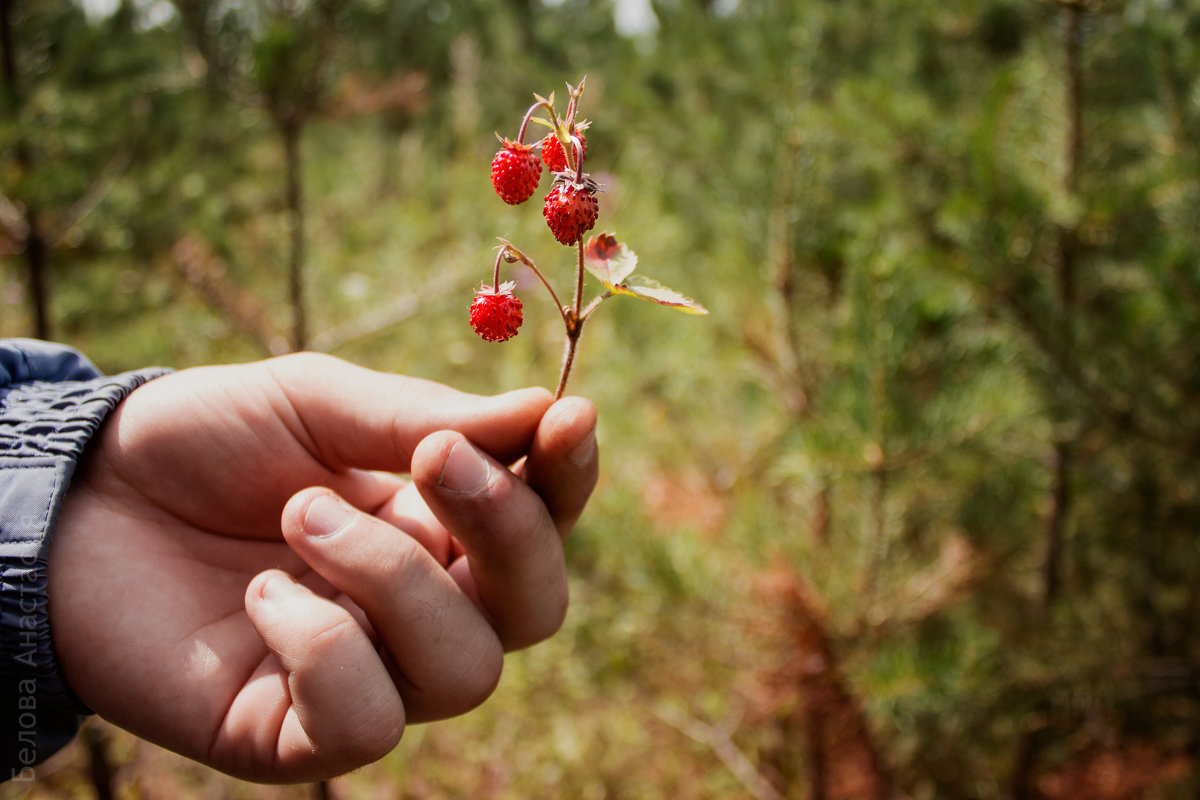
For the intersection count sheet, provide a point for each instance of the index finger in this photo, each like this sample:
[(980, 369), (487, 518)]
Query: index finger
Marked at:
[(349, 416)]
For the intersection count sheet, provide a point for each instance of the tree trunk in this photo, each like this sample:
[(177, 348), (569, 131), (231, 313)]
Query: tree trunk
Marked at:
[(840, 754), (1056, 521), (1022, 783), (35, 246), (1065, 283), (291, 130)]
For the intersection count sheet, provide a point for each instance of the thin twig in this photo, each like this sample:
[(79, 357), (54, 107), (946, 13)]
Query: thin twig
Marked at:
[(718, 739), (378, 320), (206, 273), (100, 187)]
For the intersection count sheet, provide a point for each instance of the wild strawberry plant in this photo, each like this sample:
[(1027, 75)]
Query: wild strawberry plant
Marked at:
[(571, 209)]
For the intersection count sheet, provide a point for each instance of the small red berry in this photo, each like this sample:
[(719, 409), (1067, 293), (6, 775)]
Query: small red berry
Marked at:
[(496, 312), (552, 151), (570, 211), (516, 171)]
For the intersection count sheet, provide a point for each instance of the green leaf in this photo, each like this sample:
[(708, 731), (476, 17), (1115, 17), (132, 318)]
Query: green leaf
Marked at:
[(655, 292)]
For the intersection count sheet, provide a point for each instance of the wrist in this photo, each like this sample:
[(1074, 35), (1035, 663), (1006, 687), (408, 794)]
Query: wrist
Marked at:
[(52, 401)]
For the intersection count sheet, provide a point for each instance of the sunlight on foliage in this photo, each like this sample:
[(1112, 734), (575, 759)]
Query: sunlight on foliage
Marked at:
[(911, 512)]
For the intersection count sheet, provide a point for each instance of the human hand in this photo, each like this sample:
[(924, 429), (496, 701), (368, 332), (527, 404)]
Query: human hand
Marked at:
[(206, 595)]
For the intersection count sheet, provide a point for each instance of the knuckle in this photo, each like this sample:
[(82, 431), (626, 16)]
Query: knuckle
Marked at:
[(515, 526), (331, 639), (404, 561), (371, 558), (288, 369), (305, 360)]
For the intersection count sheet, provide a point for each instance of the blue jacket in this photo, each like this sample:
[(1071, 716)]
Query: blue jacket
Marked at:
[(52, 400)]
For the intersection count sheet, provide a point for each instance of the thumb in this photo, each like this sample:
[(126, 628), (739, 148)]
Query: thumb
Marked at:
[(358, 418)]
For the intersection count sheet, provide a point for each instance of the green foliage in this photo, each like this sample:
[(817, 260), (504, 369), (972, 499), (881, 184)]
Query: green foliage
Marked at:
[(949, 377)]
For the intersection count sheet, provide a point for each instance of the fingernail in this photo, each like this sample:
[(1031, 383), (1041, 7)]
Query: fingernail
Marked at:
[(465, 470), (326, 516), (279, 587), (581, 455)]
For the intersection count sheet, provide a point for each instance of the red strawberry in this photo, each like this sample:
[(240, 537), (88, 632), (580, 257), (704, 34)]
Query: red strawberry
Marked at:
[(552, 151), (496, 312), (515, 172), (570, 211)]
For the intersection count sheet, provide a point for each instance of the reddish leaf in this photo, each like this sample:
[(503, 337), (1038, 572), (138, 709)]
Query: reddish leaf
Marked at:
[(609, 260), (613, 263)]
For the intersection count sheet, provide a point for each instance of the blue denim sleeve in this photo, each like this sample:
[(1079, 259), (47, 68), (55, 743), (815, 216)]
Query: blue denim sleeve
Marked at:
[(52, 400)]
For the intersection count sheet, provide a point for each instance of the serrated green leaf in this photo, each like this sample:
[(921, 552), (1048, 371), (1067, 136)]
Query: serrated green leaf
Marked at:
[(609, 260), (655, 292)]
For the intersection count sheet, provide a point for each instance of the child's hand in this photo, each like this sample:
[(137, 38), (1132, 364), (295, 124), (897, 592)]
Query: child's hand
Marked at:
[(206, 596)]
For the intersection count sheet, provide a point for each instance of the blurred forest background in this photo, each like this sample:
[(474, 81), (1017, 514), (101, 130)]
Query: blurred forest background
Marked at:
[(914, 513)]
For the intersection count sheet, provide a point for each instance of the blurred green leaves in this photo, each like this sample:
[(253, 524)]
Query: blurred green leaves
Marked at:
[(874, 200)]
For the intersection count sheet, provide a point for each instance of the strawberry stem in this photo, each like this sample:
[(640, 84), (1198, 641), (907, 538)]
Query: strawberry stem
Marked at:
[(568, 358), (565, 131), (508, 248), (578, 303), (574, 322), (579, 153), (496, 269), (572, 316), (529, 115), (597, 300)]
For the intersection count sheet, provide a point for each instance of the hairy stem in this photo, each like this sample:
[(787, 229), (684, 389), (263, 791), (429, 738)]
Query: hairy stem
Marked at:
[(597, 300), (565, 131), (574, 319), (568, 360), (500, 251), (529, 115), (578, 302)]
